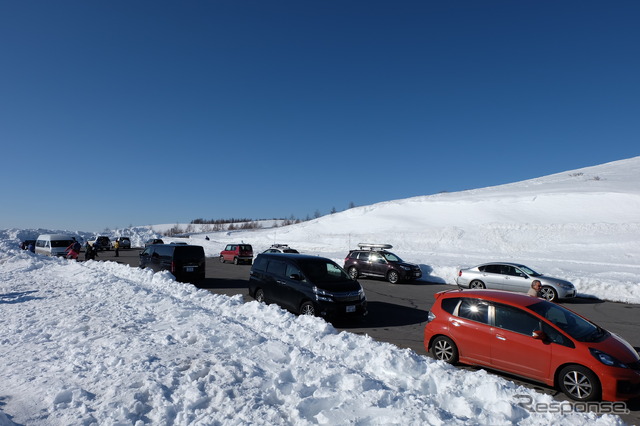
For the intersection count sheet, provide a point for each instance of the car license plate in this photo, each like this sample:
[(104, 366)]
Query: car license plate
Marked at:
[(189, 268), (351, 308)]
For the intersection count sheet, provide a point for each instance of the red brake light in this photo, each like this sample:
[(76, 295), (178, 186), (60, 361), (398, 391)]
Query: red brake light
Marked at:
[(460, 273)]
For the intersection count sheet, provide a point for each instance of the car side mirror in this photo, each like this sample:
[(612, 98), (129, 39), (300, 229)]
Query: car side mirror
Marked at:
[(296, 277), (539, 335)]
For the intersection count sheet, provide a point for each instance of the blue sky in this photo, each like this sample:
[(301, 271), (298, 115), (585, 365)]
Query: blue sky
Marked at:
[(134, 113)]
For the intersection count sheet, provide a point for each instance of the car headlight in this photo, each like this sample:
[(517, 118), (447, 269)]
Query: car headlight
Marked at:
[(406, 268), (322, 295), (566, 286), (606, 359)]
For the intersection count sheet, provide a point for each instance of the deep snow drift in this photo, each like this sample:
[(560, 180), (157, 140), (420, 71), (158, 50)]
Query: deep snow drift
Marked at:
[(103, 343)]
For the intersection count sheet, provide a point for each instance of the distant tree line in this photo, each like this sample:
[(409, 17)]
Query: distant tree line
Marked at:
[(212, 225)]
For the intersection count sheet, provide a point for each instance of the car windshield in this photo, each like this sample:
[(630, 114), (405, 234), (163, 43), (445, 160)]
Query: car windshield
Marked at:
[(322, 271), (572, 324), (391, 257), (529, 271)]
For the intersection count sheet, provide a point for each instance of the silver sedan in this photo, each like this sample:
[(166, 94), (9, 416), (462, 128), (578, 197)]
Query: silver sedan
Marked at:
[(514, 277)]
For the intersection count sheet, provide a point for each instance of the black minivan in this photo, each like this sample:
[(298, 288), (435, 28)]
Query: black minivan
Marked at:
[(185, 262), (306, 285)]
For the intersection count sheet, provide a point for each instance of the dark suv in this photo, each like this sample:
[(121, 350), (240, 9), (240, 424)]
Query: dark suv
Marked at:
[(375, 261), (185, 262), (306, 285)]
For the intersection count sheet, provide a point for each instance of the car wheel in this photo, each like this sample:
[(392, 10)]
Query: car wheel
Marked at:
[(393, 277), (221, 259), (444, 349), (235, 260), (353, 272), (307, 308), (476, 284), (579, 383), (259, 296), (549, 293)]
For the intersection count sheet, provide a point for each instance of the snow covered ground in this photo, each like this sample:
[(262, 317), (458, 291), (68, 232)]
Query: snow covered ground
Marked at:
[(104, 343)]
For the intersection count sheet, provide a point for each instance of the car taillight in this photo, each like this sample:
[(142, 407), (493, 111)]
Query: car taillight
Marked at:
[(173, 267), (459, 273)]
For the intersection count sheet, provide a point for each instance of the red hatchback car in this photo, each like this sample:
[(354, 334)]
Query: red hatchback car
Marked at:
[(530, 337), (237, 253)]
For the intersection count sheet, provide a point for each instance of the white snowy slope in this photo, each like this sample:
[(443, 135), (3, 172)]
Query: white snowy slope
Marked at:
[(103, 343)]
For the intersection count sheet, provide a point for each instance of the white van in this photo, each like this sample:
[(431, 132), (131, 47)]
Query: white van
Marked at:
[(53, 244)]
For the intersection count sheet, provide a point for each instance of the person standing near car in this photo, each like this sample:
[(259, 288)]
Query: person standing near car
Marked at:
[(116, 246), (534, 291)]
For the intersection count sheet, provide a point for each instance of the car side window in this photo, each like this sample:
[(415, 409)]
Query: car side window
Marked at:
[(277, 268), (291, 269), (554, 336), (474, 310), (516, 320), (364, 256), (449, 305), (493, 269), (260, 264), (509, 270)]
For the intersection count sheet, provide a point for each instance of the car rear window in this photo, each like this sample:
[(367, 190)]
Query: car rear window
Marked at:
[(189, 252), (246, 247)]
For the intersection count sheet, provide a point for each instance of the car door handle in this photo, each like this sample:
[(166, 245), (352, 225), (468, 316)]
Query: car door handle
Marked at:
[(499, 337), (281, 282)]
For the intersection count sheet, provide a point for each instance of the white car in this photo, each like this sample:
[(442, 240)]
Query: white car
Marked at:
[(514, 277), (125, 242)]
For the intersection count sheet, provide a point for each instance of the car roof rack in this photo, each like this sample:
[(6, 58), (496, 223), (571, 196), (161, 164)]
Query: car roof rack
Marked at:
[(279, 246), (374, 247)]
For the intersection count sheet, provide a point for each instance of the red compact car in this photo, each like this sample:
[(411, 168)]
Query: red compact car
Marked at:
[(237, 253), (533, 338)]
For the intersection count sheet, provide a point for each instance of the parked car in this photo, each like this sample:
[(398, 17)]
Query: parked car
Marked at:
[(153, 241), (533, 338), (514, 277), (101, 243), (185, 262), (53, 244), (237, 253), (374, 260), (280, 248), (124, 242), (306, 285), (24, 245)]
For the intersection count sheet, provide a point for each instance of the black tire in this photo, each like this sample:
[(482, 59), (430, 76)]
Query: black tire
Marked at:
[(444, 349), (477, 284), (549, 293), (221, 259), (393, 277), (235, 260), (579, 383), (353, 272), (259, 296), (307, 308)]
